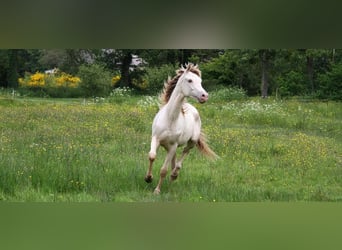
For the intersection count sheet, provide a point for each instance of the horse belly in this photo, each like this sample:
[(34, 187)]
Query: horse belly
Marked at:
[(188, 127), (172, 136)]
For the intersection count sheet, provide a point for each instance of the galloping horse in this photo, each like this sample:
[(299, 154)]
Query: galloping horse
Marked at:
[(178, 123)]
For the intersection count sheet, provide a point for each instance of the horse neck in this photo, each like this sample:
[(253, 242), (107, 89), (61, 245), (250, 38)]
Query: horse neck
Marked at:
[(175, 103)]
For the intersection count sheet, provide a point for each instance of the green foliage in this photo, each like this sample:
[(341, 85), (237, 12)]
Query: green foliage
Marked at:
[(120, 95), (155, 77), (228, 94), (289, 72), (219, 71), (330, 83), (233, 68), (12, 77), (53, 58), (96, 80), (49, 85), (291, 84)]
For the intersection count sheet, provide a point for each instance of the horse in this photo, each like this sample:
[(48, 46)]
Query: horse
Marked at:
[(178, 123)]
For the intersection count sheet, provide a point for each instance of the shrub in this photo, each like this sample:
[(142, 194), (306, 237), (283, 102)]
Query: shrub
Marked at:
[(53, 85), (330, 83), (155, 77), (292, 83), (115, 80), (119, 95), (96, 80), (228, 94)]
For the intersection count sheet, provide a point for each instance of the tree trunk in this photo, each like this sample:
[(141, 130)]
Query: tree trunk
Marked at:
[(264, 74), (333, 56), (125, 80), (13, 69), (310, 71)]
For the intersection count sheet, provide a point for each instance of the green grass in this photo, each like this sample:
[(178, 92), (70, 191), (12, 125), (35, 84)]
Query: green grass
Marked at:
[(96, 150)]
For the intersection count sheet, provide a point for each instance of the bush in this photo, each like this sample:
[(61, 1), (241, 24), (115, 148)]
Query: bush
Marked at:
[(119, 95), (96, 80), (53, 85), (292, 83), (227, 94), (329, 84), (155, 77)]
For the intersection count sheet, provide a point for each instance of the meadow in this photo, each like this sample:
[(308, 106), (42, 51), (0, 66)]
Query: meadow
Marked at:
[(97, 150)]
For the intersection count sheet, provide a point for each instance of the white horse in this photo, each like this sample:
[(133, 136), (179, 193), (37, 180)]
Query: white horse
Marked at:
[(178, 123)]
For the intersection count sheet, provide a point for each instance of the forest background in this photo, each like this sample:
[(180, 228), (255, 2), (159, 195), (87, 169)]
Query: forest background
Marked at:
[(313, 73)]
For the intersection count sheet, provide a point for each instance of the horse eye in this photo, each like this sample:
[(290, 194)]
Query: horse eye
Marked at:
[(189, 81)]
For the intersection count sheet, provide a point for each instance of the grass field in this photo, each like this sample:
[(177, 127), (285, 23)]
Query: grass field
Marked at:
[(85, 150)]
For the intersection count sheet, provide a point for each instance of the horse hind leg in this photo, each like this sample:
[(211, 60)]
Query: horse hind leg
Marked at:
[(178, 165), (163, 171), (152, 156)]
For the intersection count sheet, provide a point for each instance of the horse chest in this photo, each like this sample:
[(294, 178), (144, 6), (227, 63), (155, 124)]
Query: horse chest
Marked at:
[(178, 130)]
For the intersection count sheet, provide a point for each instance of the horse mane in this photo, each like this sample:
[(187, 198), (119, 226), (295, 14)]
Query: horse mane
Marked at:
[(171, 83)]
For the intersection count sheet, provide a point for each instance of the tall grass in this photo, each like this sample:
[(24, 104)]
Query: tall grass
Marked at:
[(77, 150)]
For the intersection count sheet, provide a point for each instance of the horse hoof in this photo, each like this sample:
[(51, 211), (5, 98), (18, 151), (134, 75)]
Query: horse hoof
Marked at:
[(148, 178), (173, 177), (156, 192)]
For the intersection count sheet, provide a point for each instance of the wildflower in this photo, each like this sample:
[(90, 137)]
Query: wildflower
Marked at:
[(42, 80), (67, 80), (35, 80), (115, 79)]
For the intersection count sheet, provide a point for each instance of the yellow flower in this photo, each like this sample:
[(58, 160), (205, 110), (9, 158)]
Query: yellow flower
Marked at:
[(115, 79), (67, 80), (21, 81), (35, 80)]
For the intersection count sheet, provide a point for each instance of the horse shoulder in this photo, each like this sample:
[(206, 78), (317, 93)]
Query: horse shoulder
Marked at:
[(162, 129)]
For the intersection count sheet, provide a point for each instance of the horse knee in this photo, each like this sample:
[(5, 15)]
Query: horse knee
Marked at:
[(152, 156), (178, 166)]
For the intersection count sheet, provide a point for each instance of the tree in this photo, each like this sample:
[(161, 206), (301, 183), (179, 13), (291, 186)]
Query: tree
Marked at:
[(96, 80), (330, 83), (52, 58), (12, 77), (3, 67), (15, 62), (233, 68), (126, 60), (265, 56), (118, 60), (75, 58), (159, 57)]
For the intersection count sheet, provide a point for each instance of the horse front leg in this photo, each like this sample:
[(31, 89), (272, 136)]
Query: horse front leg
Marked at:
[(178, 165), (163, 171), (152, 156)]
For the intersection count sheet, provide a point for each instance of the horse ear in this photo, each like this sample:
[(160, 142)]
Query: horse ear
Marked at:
[(181, 70), (188, 66)]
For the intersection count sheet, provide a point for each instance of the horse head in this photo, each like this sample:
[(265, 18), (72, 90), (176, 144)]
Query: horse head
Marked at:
[(191, 83)]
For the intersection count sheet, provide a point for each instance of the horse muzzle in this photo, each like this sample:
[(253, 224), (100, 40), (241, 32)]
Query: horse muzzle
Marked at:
[(203, 98)]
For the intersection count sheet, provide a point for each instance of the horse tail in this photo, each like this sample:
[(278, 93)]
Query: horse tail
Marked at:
[(204, 147)]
